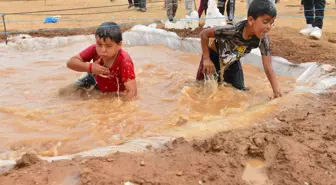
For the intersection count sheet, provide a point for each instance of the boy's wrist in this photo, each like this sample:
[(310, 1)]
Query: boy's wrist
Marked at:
[(90, 67), (276, 90)]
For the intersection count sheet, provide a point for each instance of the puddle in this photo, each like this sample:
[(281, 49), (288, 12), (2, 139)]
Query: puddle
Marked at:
[(71, 180), (255, 173), (129, 183), (255, 162), (36, 119)]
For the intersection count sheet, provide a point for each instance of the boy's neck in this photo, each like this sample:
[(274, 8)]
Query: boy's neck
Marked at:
[(109, 62), (247, 32)]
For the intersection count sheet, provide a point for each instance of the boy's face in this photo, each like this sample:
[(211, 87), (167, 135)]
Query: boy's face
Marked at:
[(107, 48), (261, 25)]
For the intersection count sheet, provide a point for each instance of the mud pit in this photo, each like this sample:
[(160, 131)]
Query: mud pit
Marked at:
[(36, 119), (217, 160)]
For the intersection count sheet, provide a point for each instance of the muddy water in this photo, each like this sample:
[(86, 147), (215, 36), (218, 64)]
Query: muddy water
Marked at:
[(35, 118), (255, 173)]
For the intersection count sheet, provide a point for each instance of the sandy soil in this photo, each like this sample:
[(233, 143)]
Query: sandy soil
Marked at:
[(297, 145), (288, 16)]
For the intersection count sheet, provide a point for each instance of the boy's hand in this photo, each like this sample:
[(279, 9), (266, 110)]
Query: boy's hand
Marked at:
[(208, 66), (276, 94), (100, 70)]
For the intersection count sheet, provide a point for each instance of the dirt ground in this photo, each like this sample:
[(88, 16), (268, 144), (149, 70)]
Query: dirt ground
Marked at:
[(286, 42), (288, 13), (297, 144)]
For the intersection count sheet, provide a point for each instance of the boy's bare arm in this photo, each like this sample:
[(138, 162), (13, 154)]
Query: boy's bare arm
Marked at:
[(78, 64), (208, 66), (267, 63), (131, 90), (205, 35)]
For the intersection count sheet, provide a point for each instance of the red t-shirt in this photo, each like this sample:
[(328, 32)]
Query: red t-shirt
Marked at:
[(121, 71)]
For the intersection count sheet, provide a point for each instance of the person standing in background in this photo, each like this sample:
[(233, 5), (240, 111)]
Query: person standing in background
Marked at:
[(189, 6), (314, 14), (202, 7), (230, 8), (130, 3), (137, 4), (171, 8), (142, 5)]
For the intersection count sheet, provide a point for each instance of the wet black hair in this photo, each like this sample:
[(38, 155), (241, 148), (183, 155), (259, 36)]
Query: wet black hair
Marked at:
[(109, 30), (261, 7)]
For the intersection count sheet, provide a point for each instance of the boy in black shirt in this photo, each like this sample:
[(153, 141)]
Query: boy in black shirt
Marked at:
[(231, 42)]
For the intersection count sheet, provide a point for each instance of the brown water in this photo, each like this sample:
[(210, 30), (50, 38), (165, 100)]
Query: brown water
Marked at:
[(255, 173), (35, 118)]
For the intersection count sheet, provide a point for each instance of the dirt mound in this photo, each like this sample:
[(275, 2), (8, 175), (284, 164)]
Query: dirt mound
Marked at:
[(289, 44), (27, 160), (304, 141)]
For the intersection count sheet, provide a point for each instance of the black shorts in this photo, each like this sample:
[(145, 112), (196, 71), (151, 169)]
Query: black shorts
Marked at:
[(233, 74), (86, 82)]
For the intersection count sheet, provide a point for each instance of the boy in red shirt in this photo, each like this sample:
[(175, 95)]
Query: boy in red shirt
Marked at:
[(112, 69)]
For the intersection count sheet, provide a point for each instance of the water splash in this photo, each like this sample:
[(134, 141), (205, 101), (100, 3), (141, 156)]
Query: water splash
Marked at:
[(210, 84)]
